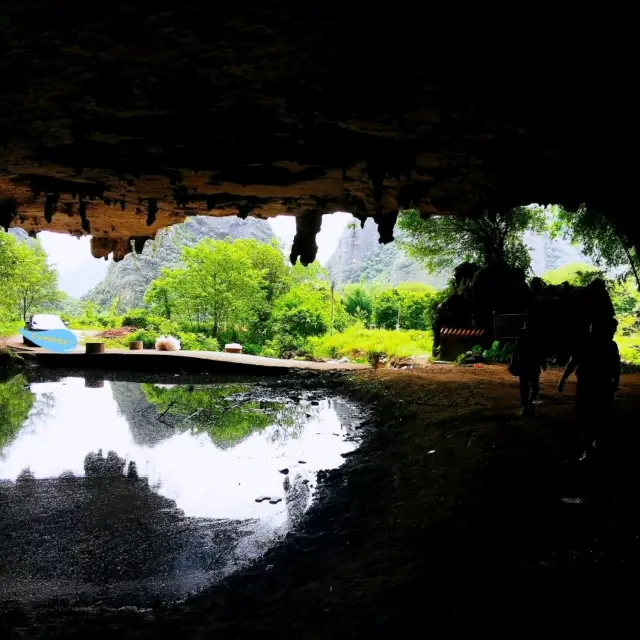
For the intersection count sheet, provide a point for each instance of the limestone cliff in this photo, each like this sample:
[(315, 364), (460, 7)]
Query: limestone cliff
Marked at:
[(129, 279)]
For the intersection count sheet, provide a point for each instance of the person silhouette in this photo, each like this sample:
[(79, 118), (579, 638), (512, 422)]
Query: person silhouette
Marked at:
[(597, 366), (526, 363)]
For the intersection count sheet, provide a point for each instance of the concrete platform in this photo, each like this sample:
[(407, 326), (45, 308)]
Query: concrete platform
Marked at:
[(174, 361)]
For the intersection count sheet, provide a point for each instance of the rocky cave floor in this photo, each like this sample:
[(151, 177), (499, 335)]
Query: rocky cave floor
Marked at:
[(455, 514)]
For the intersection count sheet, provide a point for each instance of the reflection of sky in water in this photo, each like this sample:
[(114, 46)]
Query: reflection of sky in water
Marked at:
[(204, 480)]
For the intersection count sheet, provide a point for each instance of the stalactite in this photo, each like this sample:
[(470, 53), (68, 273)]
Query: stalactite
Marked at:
[(362, 218), (181, 196), (304, 243), (119, 248), (152, 210), (139, 242), (376, 175), (386, 223), (101, 247), (82, 210), (67, 207), (123, 202), (50, 205), (244, 210)]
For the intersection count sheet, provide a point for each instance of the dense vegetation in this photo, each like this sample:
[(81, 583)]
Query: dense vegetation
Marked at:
[(210, 292), (244, 291)]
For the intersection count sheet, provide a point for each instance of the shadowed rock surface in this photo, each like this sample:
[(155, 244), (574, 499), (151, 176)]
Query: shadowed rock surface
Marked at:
[(106, 537), (122, 121)]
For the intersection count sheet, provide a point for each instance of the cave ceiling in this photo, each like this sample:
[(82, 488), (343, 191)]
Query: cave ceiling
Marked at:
[(118, 119)]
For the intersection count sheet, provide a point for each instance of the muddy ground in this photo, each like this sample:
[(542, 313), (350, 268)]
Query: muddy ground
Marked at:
[(455, 515)]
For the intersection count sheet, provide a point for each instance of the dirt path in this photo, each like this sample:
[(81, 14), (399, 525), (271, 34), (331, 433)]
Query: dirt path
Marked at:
[(455, 515)]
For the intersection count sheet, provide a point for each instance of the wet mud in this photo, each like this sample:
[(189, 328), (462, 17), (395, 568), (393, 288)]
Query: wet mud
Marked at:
[(453, 516)]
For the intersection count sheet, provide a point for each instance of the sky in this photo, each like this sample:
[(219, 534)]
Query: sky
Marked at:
[(79, 271)]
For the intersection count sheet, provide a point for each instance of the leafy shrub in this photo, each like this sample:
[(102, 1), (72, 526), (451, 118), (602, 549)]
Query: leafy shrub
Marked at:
[(110, 322), (375, 356), (251, 349), (197, 342), (287, 345), (146, 336), (629, 347), (141, 318), (496, 353)]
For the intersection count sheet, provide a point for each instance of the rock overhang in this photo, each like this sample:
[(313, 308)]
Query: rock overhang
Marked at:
[(120, 123)]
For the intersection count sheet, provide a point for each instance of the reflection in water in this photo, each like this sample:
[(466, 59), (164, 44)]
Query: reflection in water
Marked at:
[(15, 403), (214, 410), (128, 491)]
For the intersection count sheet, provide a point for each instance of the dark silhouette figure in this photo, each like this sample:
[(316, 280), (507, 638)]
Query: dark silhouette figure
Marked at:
[(526, 363), (597, 366)]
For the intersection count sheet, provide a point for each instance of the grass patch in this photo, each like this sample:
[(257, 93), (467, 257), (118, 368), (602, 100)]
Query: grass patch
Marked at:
[(629, 351), (8, 329), (366, 345)]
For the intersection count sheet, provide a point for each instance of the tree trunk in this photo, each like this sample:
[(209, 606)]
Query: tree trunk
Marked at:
[(333, 288), (631, 260)]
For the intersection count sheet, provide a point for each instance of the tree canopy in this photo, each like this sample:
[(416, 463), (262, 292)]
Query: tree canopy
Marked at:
[(221, 285), (442, 242), (409, 306), (600, 238), (29, 284)]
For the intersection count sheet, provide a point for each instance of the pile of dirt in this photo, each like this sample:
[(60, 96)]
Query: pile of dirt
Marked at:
[(121, 332)]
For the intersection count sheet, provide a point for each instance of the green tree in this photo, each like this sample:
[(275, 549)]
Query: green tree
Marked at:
[(8, 266), (416, 310), (268, 259), (442, 242), (36, 281), (386, 309), (218, 287), (162, 295), (305, 311), (601, 239), (29, 284), (358, 302), (408, 306)]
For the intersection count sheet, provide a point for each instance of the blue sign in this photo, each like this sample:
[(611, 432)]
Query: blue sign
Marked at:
[(58, 340)]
